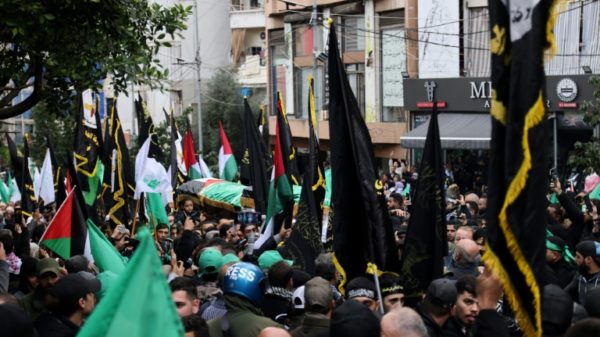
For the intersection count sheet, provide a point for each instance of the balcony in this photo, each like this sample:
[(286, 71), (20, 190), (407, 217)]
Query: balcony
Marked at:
[(252, 18), (252, 73)]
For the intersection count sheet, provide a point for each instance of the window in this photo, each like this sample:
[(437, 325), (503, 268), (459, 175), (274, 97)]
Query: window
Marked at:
[(301, 91), (356, 77), (353, 34), (393, 65)]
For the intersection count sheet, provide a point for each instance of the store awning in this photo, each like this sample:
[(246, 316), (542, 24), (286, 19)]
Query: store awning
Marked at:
[(457, 131)]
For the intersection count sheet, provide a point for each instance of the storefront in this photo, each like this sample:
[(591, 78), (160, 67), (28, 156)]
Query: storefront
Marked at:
[(464, 104)]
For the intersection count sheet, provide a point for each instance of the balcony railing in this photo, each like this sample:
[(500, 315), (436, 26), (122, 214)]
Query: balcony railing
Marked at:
[(245, 5)]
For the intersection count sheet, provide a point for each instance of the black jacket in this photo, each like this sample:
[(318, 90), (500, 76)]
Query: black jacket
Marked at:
[(563, 272), (313, 325), (49, 325), (490, 324), (453, 328), (433, 329), (277, 305)]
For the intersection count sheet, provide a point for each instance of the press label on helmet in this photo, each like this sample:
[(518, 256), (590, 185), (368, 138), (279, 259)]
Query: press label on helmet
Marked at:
[(235, 273)]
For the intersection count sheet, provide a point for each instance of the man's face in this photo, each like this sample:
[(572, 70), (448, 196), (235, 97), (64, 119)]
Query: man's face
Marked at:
[(393, 301), (88, 304), (578, 259), (463, 234), (551, 256), (184, 304), (368, 302), (249, 229), (466, 309), (48, 280), (162, 234), (392, 204), (171, 220), (450, 232), (188, 206), (482, 204)]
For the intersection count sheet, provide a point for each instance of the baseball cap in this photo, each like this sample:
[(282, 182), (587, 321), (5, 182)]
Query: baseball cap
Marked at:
[(557, 310), (269, 258), (74, 286), (317, 294), (298, 298), (47, 265), (588, 248), (361, 287), (228, 258), (442, 293), (210, 261)]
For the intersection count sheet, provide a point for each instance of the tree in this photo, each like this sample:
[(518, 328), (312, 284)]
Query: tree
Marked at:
[(223, 102), (586, 155), (59, 125), (50, 48)]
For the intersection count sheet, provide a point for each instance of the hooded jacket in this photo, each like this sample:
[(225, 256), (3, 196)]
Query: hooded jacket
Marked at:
[(243, 319)]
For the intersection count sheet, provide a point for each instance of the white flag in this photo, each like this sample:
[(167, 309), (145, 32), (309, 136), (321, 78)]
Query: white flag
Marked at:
[(204, 168), (46, 182), (150, 175)]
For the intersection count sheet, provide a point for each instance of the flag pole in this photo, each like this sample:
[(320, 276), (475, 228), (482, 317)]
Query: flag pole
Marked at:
[(372, 267), (135, 216)]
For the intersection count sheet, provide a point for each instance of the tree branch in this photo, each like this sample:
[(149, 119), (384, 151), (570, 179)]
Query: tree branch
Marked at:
[(32, 100)]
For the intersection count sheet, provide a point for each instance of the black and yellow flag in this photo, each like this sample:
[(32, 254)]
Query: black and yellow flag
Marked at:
[(119, 184), (20, 167), (518, 155), (362, 232), (287, 146), (426, 245), (178, 177), (145, 125), (87, 150), (305, 243), (253, 171)]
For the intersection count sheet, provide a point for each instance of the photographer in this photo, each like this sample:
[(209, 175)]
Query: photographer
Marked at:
[(164, 245)]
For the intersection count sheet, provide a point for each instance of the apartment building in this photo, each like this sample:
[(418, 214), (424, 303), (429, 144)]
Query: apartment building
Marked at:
[(400, 55)]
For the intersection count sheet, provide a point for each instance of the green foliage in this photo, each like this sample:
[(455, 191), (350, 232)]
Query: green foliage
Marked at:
[(58, 125), (586, 155), (223, 102), (68, 44)]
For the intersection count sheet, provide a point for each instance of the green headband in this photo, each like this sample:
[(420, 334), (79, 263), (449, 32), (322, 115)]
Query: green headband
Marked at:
[(564, 251)]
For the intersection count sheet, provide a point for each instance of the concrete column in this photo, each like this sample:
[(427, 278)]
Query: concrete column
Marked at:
[(288, 35), (411, 25), (371, 101)]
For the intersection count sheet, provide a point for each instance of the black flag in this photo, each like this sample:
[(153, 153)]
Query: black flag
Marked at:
[(20, 167), (305, 243), (177, 177), (145, 126), (518, 179), (362, 232), (252, 168), (285, 139), (119, 184), (426, 245)]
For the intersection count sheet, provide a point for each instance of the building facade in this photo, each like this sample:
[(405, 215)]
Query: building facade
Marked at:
[(393, 48)]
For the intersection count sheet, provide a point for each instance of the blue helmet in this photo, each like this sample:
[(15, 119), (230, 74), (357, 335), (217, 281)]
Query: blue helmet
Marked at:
[(244, 279)]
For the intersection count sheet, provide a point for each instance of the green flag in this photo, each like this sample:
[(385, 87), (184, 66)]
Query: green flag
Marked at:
[(4, 194), (139, 303), (155, 210), (106, 256)]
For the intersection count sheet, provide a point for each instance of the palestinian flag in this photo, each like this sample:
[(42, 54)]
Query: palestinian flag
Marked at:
[(227, 164), (66, 234), (189, 157), (281, 198)]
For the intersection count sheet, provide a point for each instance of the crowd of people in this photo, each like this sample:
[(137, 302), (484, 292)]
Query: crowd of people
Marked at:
[(222, 285)]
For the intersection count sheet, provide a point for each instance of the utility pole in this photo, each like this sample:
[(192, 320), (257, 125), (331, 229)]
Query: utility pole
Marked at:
[(315, 67), (198, 63)]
